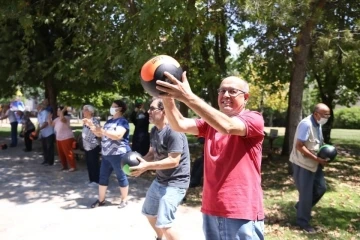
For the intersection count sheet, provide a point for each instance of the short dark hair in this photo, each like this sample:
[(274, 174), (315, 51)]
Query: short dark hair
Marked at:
[(160, 103), (121, 104)]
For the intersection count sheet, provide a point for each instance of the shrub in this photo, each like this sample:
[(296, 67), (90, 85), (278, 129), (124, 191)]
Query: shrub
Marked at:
[(347, 118)]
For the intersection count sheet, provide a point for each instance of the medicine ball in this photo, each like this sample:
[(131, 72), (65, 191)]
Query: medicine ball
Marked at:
[(154, 69), (129, 160), (33, 136), (327, 152)]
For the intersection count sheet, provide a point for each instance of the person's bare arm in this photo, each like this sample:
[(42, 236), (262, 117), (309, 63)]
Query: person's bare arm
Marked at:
[(62, 117), (112, 134), (177, 121), (171, 161), (218, 120), (150, 155), (300, 146)]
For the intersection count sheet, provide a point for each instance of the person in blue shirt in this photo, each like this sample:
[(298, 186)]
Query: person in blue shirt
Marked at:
[(307, 166), (47, 135), (114, 144)]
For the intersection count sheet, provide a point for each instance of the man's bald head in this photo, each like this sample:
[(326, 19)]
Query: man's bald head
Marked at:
[(321, 107), (244, 86)]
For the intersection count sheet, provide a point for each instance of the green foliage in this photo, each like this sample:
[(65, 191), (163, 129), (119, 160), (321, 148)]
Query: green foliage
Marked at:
[(348, 118), (335, 56)]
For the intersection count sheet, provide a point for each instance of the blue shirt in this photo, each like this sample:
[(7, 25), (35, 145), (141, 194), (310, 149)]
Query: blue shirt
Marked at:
[(115, 147), (42, 118), (305, 128)]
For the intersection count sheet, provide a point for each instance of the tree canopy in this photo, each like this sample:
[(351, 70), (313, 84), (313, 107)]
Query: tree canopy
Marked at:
[(87, 51)]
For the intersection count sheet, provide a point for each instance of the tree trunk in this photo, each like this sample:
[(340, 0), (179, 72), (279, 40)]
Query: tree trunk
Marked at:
[(185, 53), (51, 94), (301, 53)]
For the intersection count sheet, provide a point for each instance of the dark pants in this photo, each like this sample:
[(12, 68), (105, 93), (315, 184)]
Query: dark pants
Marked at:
[(197, 172), (141, 142), (93, 165), (48, 145), (14, 134), (311, 187), (28, 141)]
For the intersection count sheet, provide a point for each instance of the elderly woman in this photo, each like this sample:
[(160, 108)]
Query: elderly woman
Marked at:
[(64, 138), (91, 144), (114, 144)]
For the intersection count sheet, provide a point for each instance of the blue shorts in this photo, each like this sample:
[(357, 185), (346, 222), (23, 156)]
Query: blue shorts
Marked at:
[(216, 228), (108, 164), (161, 202)]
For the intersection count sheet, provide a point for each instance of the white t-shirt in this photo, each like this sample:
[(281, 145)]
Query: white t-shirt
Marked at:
[(11, 116)]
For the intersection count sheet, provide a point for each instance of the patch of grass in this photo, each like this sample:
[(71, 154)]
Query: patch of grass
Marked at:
[(4, 131), (338, 212)]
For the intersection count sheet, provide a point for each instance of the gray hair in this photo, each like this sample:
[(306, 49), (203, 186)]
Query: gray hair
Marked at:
[(90, 108)]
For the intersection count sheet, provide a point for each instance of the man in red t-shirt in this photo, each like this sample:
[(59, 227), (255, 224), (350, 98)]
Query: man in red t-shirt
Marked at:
[(232, 203)]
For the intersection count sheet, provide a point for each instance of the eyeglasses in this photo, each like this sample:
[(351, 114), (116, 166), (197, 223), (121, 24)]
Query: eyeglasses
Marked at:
[(324, 115), (154, 108), (233, 92)]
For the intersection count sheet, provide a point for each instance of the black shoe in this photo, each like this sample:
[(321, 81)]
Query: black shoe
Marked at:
[(308, 229), (26, 150), (43, 163), (97, 203)]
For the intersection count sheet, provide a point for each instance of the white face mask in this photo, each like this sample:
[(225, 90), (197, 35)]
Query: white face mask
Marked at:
[(113, 111), (322, 121)]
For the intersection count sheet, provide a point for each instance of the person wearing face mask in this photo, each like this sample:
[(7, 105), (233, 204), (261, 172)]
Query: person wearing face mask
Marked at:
[(232, 200), (114, 144), (307, 167)]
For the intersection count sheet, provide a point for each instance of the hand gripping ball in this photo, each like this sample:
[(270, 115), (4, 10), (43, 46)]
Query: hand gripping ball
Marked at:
[(327, 152), (129, 160), (154, 69)]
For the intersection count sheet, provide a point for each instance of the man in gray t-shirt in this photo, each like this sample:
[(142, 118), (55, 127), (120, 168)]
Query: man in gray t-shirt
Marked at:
[(169, 156)]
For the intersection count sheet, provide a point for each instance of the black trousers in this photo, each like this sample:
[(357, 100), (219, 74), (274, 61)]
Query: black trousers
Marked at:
[(197, 172), (48, 145), (28, 141), (93, 165), (14, 134)]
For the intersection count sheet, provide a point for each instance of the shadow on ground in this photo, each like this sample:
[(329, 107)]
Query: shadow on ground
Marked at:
[(24, 180)]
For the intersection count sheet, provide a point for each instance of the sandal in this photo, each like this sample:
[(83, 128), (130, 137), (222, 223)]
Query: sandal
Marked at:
[(97, 203), (72, 170), (123, 204)]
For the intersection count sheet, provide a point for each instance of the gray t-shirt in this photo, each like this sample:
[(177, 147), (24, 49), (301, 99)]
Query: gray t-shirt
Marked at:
[(168, 141)]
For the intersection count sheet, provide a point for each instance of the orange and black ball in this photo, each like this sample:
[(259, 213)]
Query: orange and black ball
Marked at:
[(154, 69)]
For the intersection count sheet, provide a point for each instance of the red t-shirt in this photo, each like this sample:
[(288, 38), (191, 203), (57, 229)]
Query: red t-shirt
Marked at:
[(232, 170)]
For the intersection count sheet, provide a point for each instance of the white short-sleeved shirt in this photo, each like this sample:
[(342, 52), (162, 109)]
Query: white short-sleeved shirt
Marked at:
[(11, 116)]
